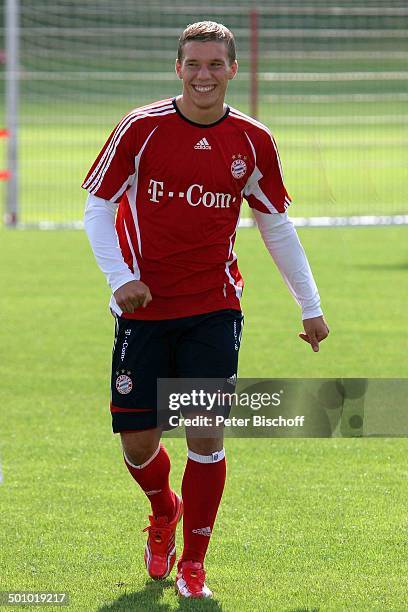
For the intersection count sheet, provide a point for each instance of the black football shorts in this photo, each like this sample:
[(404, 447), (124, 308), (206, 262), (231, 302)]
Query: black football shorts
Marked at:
[(200, 346)]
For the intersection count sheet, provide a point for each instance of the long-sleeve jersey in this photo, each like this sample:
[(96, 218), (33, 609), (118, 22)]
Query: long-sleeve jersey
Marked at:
[(179, 188)]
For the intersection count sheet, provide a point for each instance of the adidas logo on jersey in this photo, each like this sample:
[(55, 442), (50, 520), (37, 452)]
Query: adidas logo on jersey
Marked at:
[(205, 531), (203, 144)]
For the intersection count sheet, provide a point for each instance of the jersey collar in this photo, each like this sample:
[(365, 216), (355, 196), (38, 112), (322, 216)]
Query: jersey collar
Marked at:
[(201, 125)]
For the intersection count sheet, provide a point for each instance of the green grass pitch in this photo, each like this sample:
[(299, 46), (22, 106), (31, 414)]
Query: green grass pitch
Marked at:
[(304, 524)]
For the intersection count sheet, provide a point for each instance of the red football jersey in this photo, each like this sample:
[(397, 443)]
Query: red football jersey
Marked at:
[(180, 186)]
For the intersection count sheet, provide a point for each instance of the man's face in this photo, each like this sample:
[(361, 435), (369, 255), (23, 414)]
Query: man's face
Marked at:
[(205, 72)]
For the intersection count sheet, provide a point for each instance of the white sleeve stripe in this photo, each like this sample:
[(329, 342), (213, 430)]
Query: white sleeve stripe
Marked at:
[(257, 192), (132, 194), (252, 147), (277, 156), (127, 182), (103, 164), (252, 188), (238, 115), (153, 105), (229, 262), (111, 149), (238, 290), (270, 136), (136, 269), (108, 161), (121, 124)]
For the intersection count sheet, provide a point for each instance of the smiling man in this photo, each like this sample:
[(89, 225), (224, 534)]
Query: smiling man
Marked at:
[(205, 71), (163, 208)]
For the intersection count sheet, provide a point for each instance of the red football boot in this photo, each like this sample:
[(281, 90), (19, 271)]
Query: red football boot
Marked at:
[(190, 580), (160, 551)]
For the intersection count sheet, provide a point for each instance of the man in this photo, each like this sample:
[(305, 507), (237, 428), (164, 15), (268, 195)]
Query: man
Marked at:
[(178, 170)]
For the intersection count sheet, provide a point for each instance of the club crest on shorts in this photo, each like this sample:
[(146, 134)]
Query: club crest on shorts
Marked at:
[(124, 384), (238, 166)]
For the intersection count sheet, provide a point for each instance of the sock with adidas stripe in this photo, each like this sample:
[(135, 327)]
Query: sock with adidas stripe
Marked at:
[(202, 488), (153, 478)]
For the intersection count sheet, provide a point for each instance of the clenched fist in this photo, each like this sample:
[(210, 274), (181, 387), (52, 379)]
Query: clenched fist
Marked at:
[(132, 295)]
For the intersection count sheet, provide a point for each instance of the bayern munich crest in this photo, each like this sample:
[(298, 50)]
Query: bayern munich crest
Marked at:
[(238, 166), (124, 384)]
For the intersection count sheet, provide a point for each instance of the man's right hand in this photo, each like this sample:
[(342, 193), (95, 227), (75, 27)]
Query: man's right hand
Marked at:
[(132, 295)]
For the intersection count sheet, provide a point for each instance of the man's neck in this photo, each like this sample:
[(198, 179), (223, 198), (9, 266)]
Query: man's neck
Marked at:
[(197, 115)]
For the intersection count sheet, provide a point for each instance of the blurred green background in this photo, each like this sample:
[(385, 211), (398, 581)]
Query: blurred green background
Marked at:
[(333, 89)]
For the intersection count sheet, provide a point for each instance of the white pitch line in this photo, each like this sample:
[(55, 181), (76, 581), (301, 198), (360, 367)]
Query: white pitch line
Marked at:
[(351, 221), (391, 97), (333, 76), (342, 120), (342, 142)]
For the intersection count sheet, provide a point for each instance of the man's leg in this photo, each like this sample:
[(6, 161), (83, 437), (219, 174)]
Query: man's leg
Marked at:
[(202, 488), (149, 464), (209, 350), (141, 354)]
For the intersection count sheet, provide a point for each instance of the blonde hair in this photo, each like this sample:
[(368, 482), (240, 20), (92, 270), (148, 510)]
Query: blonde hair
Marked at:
[(207, 31)]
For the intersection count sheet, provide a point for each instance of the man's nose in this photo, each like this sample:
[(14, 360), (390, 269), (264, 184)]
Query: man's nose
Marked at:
[(203, 73)]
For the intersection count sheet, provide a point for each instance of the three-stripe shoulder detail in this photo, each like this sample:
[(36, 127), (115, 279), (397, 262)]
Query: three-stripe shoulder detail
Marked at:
[(236, 114), (93, 182)]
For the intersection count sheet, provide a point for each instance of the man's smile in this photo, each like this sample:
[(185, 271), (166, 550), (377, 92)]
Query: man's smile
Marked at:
[(203, 88)]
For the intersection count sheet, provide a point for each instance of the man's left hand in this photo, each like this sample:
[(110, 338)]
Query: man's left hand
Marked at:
[(316, 330)]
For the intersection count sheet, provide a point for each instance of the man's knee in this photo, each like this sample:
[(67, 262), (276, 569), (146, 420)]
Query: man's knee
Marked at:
[(205, 446), (139, 446)]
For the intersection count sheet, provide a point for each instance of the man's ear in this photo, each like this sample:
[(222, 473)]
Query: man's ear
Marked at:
[(233, 69), (177, 68)]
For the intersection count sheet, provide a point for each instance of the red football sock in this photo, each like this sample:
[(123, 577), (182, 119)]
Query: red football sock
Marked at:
[(203, 484), (153, 477)]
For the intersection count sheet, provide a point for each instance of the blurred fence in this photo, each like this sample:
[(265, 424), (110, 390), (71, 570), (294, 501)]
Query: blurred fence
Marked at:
[(332, 86)]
